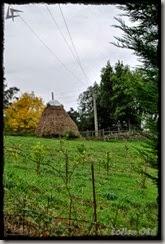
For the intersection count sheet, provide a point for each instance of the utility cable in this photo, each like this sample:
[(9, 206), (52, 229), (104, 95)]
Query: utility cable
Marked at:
[(73, 45), (65, 40), (50, 50), (75, 56), (37, 36)]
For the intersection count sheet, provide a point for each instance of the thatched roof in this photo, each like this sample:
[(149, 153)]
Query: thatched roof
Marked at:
[(55, 121)]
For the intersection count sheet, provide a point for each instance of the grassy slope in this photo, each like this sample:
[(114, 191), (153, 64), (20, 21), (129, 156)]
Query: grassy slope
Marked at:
[(121, 200)]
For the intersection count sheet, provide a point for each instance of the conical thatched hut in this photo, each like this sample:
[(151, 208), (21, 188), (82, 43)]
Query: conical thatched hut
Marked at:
[(55, 121)]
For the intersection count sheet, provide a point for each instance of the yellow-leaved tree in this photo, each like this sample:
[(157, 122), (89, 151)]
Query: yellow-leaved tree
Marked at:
[(23, 115)]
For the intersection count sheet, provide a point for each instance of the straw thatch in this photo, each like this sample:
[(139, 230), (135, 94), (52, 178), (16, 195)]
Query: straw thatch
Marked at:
[(56, 122)]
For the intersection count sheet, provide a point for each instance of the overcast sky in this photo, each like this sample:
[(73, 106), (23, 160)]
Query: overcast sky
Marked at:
[(32, 66)]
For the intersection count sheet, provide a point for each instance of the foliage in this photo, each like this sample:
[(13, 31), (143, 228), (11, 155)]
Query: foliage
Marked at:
[(74, 115), (69, 135), (38, 153), (121, 99), (118, 100), (9, 95), (85, 108), (104, 102), (143, 38), (23, 115)]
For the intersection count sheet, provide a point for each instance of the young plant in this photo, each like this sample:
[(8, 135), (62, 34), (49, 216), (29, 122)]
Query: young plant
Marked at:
[(144, 176), (126, 149), (14, 152), (82, 154), (64, 151), (107, 162), (38, 155)]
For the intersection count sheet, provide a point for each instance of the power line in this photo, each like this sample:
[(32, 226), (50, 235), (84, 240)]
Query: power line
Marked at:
[(37, 36), (68, 93), (65, 40), (75, 56), (50, 50), (73, 45)]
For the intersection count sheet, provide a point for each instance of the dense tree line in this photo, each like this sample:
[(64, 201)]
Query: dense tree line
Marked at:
[(118, 103)]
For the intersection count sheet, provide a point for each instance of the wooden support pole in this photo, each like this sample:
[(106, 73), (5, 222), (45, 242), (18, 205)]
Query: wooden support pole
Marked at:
[(95, 114)]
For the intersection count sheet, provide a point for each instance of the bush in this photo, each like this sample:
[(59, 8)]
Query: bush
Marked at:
[(69, 135), (20, 133)]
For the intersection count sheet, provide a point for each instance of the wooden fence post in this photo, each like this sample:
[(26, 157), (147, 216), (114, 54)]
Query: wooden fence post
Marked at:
[(94, 199)]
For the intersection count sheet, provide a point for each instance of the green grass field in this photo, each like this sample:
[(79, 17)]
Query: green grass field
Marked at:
[(49, 192)]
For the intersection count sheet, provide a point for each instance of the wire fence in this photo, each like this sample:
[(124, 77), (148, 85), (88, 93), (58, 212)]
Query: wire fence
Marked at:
[(27, 220), (113, 134), (60, 215)]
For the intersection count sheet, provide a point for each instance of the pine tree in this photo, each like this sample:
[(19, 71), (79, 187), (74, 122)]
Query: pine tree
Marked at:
[(143, 39)]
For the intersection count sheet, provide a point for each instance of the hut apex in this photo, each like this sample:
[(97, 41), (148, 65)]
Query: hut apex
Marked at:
[(55, 121), (54, 102), (52, 96)]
